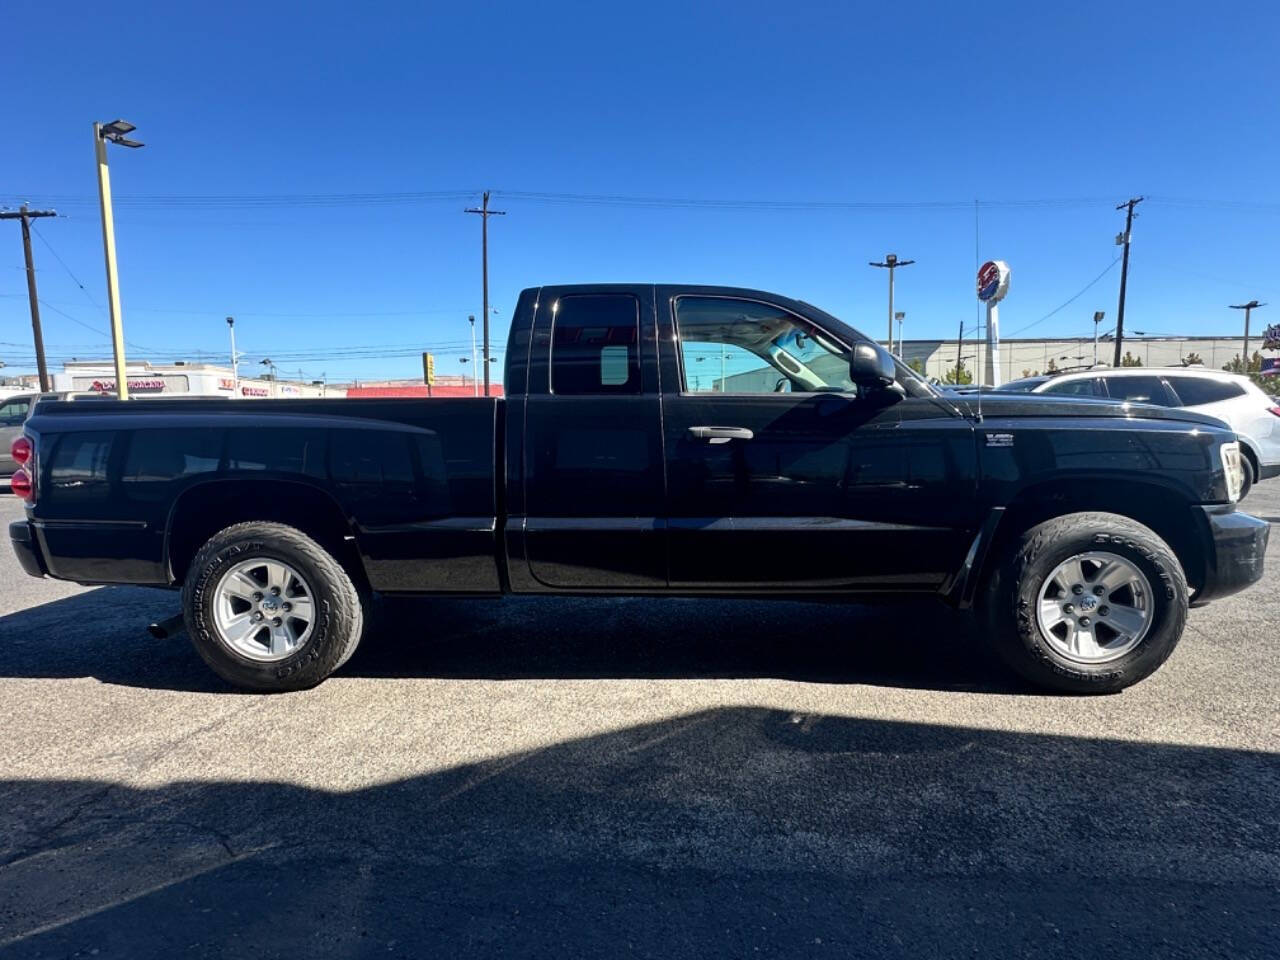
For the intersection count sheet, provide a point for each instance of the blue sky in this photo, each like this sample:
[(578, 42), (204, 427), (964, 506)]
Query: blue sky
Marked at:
[(921, 108)]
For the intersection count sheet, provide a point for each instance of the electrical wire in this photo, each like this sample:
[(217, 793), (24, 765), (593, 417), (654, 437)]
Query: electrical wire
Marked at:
[(1068, 302)]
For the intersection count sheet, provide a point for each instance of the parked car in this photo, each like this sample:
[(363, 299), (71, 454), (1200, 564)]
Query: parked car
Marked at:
[(1024, 384), (13, 414), (668, 440), (1230, 397)]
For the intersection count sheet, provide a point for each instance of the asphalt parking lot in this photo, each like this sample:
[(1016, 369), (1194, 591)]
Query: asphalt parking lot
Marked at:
[(658, 778)]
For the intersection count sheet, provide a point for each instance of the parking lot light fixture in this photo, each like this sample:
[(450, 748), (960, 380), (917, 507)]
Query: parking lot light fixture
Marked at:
[(115, 132)]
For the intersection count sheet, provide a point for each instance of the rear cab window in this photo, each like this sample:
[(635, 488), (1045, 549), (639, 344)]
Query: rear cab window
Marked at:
[(595, 345)]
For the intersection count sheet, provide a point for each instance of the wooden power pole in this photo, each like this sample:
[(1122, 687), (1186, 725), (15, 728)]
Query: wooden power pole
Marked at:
[(26, 216), (485, 214), (1124, 269)]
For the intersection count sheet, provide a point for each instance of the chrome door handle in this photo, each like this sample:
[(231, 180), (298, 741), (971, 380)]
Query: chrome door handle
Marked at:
[(721, 434)]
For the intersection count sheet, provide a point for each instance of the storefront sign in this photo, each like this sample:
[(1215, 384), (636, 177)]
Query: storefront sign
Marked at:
[(176, 383)]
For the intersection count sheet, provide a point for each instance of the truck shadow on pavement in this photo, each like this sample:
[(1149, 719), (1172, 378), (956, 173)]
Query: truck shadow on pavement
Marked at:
[(102, 633), (729, 832)]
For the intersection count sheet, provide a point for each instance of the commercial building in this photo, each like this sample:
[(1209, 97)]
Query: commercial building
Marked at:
[(447, 385), (1021, 357), (182, 379)]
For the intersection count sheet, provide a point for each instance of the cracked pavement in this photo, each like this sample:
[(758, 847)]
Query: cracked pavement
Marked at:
[(662, 778)]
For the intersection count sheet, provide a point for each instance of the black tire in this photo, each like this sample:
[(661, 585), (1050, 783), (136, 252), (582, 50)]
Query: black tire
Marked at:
[(1014, 590), (1250, 476), (339, 606)]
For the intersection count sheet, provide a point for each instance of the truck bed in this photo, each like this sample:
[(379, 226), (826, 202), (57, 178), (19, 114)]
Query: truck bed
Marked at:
[(120, 475)]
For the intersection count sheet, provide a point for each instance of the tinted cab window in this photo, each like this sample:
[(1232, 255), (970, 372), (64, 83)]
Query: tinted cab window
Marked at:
[(595, 345)]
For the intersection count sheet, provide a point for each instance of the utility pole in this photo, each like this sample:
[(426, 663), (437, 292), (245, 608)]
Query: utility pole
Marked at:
[(26, 216), (1097, 319), (1246, 307), (1124, 268), (891, 261), (959, 348), (485, 214)]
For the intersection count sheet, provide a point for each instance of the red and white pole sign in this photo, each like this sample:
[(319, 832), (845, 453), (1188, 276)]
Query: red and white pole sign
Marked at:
[(993, 284)]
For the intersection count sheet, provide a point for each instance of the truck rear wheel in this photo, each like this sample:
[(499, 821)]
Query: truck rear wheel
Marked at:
[(268, 608), (1087, 603)]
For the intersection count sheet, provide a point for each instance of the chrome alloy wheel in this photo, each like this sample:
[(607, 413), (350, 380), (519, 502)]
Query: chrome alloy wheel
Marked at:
[(1095, 607), (263, 609)]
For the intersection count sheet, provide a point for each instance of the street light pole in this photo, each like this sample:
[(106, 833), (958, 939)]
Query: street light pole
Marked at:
[(1097, 319), (899, 316), (114, 131), (235, 360), (891, 261), (1247, 308)]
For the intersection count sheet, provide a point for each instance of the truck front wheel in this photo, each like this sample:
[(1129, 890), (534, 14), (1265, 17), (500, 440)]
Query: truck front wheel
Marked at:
[(268, 608), (1087, 603)]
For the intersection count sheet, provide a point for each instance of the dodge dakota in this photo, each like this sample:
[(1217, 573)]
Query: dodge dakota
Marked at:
[(654, 439)]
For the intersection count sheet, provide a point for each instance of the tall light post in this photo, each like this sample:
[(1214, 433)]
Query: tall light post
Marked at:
[(1097, 319), (891, 262), (1247, 308), (899, 316), (235, 359), (475, 385), (115, 132)]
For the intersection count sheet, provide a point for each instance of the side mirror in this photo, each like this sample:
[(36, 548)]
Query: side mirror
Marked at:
[(872, 366)]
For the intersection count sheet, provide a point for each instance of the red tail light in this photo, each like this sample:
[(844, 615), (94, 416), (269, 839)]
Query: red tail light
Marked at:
[(1275, 410), (20, 450), (21, 484)]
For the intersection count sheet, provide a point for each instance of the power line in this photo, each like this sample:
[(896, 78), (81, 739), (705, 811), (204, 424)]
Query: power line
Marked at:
[(1068, 302), (254, 201), (75, 279)]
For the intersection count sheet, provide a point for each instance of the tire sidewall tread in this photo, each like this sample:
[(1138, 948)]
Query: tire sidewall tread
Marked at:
[(1014, 596), (339, 607)]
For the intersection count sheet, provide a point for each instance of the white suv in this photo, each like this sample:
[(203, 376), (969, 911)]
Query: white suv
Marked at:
[(1235, 399)]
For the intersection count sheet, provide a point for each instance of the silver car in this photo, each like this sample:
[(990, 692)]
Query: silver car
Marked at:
[(13, 414)]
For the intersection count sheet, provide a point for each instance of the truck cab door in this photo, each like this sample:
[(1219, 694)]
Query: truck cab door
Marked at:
[(591, 457), (783, 478)]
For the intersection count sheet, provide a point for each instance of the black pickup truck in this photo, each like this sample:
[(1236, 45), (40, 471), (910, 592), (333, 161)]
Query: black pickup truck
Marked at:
[(668, 440)]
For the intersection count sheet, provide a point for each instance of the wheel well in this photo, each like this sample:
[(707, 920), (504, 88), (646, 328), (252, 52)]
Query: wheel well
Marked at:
[(202, 511), (1252, 457), (1165, 512)]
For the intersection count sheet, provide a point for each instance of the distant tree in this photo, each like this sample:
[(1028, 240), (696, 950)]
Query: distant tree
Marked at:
[(1026, 372), (958, 375), (1193, 360), (1129, 360), (916, 364), (1052, 367), (1253, 370)]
